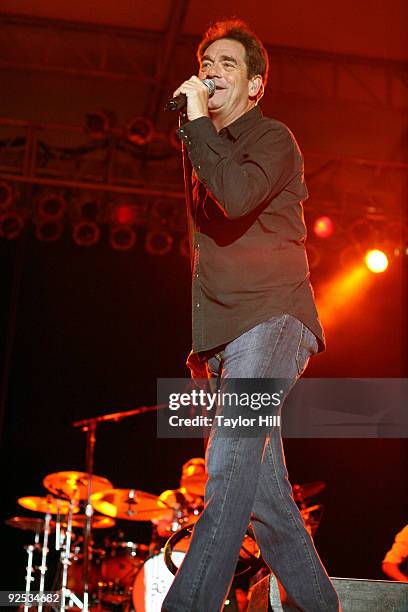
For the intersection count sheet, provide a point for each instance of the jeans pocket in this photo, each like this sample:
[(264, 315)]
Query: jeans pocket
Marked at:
[(307, 347)]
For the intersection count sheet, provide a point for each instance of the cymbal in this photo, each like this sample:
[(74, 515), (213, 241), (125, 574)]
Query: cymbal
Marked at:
[(28, 523), (74, 485), (301, 492), (50, 504), (129, 504), (98, 522), (195, 485)]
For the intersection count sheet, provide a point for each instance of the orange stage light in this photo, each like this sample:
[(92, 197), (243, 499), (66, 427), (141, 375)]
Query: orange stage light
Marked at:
[(376, 261)]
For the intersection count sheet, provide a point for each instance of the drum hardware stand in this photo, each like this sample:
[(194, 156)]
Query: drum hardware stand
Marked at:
[(43, 567), (66, 562), (89, 426), (29, 576)]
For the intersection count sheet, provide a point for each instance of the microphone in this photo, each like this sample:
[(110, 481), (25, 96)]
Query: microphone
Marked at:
[(179, 102)]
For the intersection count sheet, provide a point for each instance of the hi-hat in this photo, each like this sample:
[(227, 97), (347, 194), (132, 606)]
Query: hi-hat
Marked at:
[(74, 485), (129, 504), (98, 522), (301, 492), (27, 523), (50, 504)]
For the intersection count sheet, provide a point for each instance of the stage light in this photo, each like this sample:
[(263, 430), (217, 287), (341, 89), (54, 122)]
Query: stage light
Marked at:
[(166, 213), (124, 214), (376, 261), (323, 227), (49, 230), (6, 195), (51, 206), (99, 123), (139, 131), (90, 210), (86, 233), (158, 242), (122, 237), (11, 224), (339, 297)]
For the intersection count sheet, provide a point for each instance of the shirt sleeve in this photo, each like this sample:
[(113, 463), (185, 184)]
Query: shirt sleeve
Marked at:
[(240, 185), (399, 550)]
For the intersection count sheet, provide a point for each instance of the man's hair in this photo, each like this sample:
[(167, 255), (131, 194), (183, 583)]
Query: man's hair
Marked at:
[(256, 57)]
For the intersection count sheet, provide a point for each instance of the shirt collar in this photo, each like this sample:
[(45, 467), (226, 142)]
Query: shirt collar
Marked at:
[(245, 121)]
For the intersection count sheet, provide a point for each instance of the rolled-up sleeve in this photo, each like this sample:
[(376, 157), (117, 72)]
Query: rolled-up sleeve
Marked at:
[(240, 185)]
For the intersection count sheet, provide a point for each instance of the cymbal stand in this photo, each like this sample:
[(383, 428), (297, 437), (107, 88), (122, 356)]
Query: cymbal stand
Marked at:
[(89, 426), (66, 562), (43, 567), (29, 575)]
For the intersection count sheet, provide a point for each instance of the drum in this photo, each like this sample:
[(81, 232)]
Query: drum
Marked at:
[(153, 580), (76, 568), (119, 567)]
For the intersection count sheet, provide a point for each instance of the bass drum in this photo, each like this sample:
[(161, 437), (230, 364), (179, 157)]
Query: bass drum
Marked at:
[(153, 580)]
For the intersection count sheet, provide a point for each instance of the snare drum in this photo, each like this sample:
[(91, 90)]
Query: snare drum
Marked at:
[(153, 580)]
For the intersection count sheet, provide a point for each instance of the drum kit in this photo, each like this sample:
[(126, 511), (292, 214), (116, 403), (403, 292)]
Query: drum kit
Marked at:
[(118, 574), (121, 573)]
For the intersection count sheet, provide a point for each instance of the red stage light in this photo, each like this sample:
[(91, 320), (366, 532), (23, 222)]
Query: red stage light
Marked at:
[(323, 227), (124, 214)]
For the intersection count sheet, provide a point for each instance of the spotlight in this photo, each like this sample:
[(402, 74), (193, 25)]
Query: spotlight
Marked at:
[(139, 131), (90, 210), (376, 261), (51, 206), (11, 224), (128, 213), (99, 123), (124, 214), (165, 214), (323, 227), (86, 233), (6, 195), (158, 242), (49, 231), (122, 237)]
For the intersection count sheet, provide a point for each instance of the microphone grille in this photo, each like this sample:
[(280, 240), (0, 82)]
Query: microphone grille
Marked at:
[(211, 86)]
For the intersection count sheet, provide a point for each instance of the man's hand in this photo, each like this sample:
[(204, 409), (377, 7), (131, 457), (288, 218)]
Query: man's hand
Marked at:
[(197, 97)]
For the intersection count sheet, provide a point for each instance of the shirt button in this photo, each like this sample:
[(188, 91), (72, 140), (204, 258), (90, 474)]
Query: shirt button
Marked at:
[(181, 131), (198, 305), (198, 167), (196, 275)]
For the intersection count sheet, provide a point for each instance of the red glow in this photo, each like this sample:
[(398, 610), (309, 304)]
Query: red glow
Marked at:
[(323, 227), (124, 214)]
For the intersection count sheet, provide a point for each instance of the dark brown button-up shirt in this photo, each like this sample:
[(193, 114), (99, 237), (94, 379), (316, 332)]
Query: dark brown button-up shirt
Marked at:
[(248, 228)]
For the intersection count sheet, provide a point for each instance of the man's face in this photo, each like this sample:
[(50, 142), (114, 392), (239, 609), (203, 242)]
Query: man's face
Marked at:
[(224, 62)]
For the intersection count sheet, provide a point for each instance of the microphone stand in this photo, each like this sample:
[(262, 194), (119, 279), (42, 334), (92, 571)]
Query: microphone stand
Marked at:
[(89, 426)]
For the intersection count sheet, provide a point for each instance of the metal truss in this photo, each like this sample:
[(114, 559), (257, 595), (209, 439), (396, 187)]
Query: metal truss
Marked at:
[(144, 56), (338, 184)]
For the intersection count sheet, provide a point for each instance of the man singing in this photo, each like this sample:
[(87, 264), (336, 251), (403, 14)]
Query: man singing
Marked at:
[(254, 316)]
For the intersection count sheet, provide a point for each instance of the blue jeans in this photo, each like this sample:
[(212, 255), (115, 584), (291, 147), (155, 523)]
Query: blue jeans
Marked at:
[(248, 481)]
